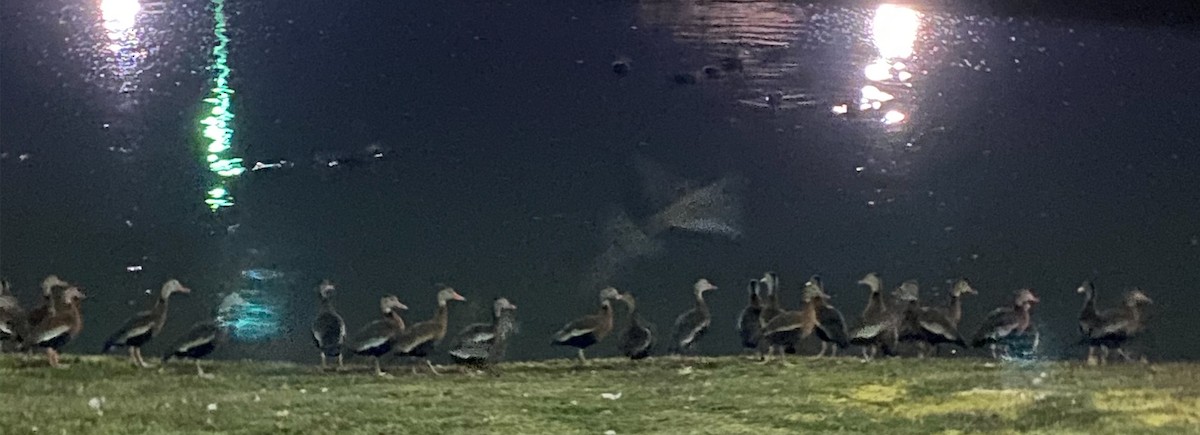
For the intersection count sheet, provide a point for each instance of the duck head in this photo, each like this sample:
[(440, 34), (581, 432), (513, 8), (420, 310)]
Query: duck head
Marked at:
[(448, 294), (609, 294), (814, 289), (1025, 298), (702, 285), (963, 287), (326, 288), (391, 302), (50, 283), (872, 281), (173, 286), (1086, 288), (908, 291), (500, 305), (73, 295)]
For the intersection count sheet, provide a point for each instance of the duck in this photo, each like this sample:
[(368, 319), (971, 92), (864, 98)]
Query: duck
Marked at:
[(691, 326), (145, 325), (1114, 326), (35, 316), (377, 338), (328, 328), (198, 342), (484, 344), (789, 327), (925, 326), (637, 340), (585, 331), (876, 326), (831, 325), (60, 326), (748, 326), (12, 317), (1005, 324), (419, 339), (953, 309), (771, 308)]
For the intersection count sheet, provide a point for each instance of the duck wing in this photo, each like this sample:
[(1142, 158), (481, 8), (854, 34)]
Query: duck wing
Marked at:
[(833, 325), (375, 334), (329, 331), (197, 342), (578, 327), (690, 326), (138, 325), (997, 326)]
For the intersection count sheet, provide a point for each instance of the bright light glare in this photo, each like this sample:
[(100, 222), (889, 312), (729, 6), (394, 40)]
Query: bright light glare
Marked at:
[(895, 31), (893, 117), (878, 71), (119, 15)]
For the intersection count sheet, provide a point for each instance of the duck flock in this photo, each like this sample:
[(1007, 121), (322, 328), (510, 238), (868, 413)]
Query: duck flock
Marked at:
[(764, 325)]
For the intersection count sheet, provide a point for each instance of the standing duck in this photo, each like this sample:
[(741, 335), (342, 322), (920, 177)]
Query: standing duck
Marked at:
[(953, 309), (145, 325), (771, 308), (638, 338), (60, 326), (483, 344), (789, 327), (1113, 327), (831, 326), (39, 313), (930, 327), (419, 339), (585, 331), (1005, 324), (877, 326), (328, 328), (12, 317), (197, 343), (748, 326), (378, 337), (691, 326)]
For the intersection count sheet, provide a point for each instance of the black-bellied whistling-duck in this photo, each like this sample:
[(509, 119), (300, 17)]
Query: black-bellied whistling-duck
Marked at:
[(12, 317), (145, 325), (1006, 323), (831, 325), (328, 328), (35, 316), (1114, 326), (877, 326), (585, 331), (1089, 317), (953, 307), (929, 327), (748, 326), (789, 327), (691, 326), (199, 341), (378, 337), (772, 306), (60, 326), (419, 339), (637, 340), (483, 344)]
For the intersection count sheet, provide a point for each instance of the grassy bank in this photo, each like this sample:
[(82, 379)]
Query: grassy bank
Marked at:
[(727, 395)]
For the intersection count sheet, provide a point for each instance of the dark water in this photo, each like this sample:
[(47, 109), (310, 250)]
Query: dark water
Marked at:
[(1016, 149)]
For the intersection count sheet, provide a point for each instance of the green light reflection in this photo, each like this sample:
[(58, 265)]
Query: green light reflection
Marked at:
[(217, 127)]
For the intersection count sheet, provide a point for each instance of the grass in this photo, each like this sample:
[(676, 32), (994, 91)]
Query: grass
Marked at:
[(725, 395)]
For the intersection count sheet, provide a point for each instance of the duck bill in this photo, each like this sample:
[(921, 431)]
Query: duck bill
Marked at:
[(459, 297)]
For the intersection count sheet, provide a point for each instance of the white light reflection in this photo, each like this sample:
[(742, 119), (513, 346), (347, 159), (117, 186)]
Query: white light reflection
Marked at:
[(119, 16), (119, 19), (894, 31)]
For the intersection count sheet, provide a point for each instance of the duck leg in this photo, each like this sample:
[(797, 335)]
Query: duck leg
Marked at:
[(1123, 355), (379, 371), (141, 362), (133, 356), (200, 372), (322, 360), (992, 347), (822, 352), (582, 359), (833, 351), (431, 368), (340, 365), (1103, 355), (1091, 357), (866, 352), (52, 355)]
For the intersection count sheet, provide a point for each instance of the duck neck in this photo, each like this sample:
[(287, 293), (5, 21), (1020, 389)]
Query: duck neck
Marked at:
[(1089, 302), (955, 307), (327, 303), (875, 303), (442, 316), (700, 304), (393, 316)]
